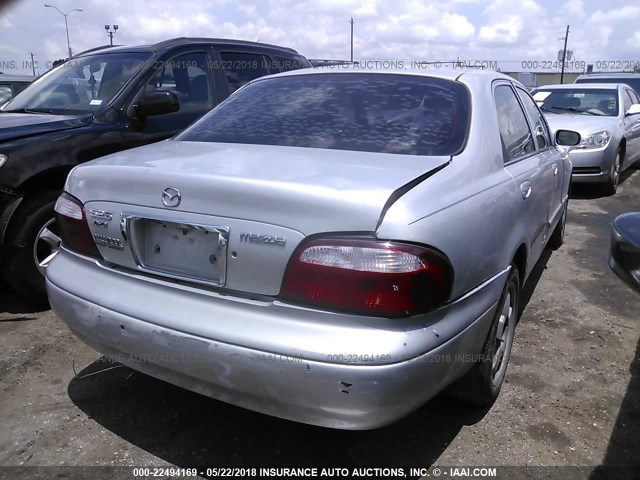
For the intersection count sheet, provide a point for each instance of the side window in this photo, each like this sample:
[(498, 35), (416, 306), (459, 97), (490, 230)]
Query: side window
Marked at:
[(286, 64), (634, 97), (241, 68), (514, 129), (539, 125), (188, 77), (626, 101)]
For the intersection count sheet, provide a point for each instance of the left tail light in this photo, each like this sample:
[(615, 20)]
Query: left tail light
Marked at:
[(74, 229)]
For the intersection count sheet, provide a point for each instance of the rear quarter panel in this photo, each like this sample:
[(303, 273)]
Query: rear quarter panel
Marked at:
[(470, 210)]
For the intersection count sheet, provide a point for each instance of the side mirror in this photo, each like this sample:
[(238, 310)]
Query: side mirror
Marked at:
[(633, 109), (624, 255), (567, 138), (157, 103)]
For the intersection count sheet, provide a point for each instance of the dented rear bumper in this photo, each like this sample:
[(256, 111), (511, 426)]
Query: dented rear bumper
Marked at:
[(272, 358)]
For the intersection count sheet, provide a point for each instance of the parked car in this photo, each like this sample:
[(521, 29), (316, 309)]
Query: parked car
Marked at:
[(624, 257), (631, 79), (608, 118), (330, 247), (100, 102), (11, 85)]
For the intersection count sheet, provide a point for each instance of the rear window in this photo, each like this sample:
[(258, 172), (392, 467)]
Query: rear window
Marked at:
[(633, 82), (348, 111)]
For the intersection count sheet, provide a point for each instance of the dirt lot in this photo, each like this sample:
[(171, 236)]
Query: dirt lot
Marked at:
[(571, 397)]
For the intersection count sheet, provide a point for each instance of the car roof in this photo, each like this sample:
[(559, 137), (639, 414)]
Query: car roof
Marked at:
[(609, 75), (583, 86), (186, 41), (488, 75)]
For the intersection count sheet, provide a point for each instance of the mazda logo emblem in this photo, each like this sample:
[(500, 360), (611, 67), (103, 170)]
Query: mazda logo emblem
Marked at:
[(171, 197)]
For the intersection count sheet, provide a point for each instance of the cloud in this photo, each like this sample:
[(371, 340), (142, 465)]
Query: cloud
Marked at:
[(501, 33), (384, 29), (615, 15)]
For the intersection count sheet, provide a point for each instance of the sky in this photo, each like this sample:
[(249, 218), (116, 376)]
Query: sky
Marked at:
[(509, 32)]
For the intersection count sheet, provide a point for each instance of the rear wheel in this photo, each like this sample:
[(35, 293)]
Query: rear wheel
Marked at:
[(34, 229), (611, 186), (481, 385)]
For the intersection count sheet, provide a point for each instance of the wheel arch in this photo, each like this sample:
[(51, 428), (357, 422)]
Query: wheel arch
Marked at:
[(520, 261)]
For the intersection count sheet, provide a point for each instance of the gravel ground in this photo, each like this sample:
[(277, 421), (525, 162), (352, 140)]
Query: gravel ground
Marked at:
[(571, 397)]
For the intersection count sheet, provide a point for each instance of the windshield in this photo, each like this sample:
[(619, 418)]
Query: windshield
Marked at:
[(80, 85), (582, 101), (349, 111), (633, 82)]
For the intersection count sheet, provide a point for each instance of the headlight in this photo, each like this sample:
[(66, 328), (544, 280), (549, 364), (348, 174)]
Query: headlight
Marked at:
[(3, 158), (595, 140)]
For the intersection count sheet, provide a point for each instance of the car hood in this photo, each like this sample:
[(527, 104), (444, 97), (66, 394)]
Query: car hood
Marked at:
[(18, 125), (583, 124), (309, 190)]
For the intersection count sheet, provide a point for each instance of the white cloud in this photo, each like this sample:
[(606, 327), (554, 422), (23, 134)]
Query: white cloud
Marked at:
[(384, 29), (501, 33), (616, 15), (575, 8)]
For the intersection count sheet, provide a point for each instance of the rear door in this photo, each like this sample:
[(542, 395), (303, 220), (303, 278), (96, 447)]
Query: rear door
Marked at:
[(530, 168), (242, 66), (547, 152)]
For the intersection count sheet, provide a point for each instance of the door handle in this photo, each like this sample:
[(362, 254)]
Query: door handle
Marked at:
[(555, 169), (525, 188)]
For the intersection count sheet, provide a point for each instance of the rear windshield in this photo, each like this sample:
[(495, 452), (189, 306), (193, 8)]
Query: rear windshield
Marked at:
[(633, 82), (344, 111)]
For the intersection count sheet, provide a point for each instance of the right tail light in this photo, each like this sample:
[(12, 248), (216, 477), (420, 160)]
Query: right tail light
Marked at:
[(369, 277)]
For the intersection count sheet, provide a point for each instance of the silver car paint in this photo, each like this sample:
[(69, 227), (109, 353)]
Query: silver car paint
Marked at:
[(472, 209), (621, 127)]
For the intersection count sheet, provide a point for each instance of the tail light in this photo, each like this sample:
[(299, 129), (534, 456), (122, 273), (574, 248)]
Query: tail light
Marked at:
[(74, 229), (386, 279)]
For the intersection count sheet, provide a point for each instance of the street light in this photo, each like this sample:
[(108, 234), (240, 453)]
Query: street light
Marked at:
[(110, 33), (66, 25)]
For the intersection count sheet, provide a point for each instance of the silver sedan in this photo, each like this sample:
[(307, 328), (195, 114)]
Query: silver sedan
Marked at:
[(329, 247), (608, 118)]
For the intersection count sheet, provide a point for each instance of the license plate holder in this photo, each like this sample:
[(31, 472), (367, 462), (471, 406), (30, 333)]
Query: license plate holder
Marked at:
[(188, 251)]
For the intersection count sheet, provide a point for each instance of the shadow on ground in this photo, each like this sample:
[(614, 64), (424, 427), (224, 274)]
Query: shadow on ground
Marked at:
[(592, 191), (11, 302), (186, 429)]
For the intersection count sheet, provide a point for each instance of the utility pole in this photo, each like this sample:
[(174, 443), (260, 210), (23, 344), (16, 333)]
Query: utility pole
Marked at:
[(351, 22), (33, 66), (564, 54)]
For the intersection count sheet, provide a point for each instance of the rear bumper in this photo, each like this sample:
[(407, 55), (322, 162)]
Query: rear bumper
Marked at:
[(377, 379)]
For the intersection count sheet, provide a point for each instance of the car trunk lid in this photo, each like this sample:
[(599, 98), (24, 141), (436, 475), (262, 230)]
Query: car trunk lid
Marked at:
[(259, 201)]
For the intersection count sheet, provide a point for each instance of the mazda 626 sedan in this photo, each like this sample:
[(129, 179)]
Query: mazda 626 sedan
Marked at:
[(329, 247)]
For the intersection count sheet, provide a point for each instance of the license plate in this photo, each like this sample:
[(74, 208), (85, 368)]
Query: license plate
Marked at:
[(185, 251)]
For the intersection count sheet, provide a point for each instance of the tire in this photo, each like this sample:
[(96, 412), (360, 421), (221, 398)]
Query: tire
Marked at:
[(481, 385), (557, 237), (22, 272), (611, 185)]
